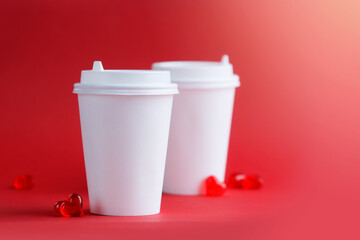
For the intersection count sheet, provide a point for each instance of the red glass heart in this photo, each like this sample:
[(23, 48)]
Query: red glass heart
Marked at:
[(23, 182), (214, 187), (57, 208), (73, 207), (245, 181)]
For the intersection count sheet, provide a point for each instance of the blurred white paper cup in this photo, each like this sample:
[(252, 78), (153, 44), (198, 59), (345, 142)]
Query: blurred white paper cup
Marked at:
[(125, 117), (200, 123)]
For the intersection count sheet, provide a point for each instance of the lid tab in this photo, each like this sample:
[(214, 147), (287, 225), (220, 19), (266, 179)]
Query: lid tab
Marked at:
[(225, 59), (97, 66)]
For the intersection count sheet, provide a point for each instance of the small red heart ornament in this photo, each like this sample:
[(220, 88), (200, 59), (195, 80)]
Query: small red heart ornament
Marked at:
[(245, 181), (73, 207), (23, 182), (57, 208), (214, 187)]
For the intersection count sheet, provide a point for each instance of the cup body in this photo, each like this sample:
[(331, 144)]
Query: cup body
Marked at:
[(125, 118), (200, 123), (198, 141), (125, 142)]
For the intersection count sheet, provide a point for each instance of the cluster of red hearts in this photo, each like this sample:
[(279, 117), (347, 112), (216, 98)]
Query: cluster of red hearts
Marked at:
[(213, 187), (73, 207)]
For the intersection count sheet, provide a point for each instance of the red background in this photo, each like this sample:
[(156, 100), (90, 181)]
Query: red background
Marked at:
[(296, 114)]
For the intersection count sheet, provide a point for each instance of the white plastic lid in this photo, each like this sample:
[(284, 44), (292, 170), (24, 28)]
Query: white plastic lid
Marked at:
[(124, 82), (200, 74)]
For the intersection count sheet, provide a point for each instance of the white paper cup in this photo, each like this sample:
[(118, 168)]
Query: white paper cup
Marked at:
[(200, 124), (125, 117)]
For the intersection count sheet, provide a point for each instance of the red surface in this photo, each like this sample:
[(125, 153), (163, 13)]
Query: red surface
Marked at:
[(237, 214), (296, 115)]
